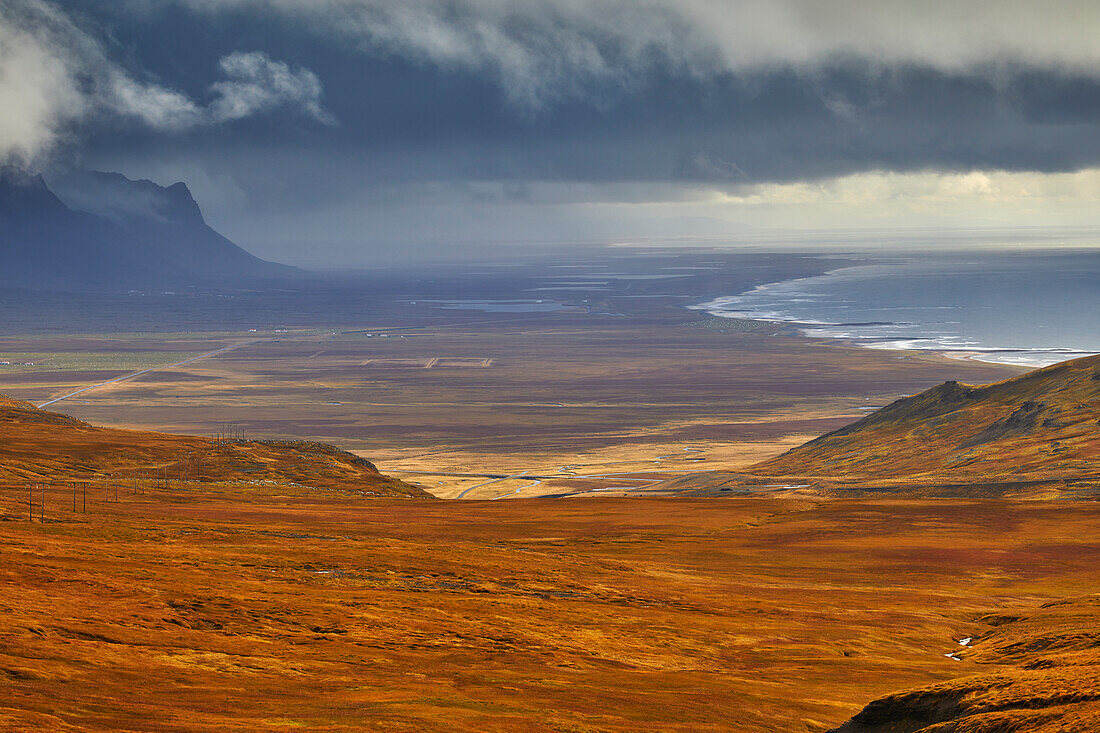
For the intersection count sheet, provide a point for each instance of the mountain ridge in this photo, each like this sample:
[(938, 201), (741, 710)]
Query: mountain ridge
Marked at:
[(1032, 436), (106, 230), (1042, 423)]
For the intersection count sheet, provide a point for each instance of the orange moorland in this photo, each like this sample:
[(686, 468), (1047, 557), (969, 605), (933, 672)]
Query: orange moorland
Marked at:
[(210, 610), (1052, 684), (1040, 424), (1035, 435), (46, 447), (221, 601)]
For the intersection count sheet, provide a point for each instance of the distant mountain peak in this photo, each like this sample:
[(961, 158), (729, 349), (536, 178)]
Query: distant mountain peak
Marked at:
[(114, 196), (104, 229), (21, 192), (183, 203)]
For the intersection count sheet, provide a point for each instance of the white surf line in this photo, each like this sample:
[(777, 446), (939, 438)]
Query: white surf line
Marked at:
[(125, 377)]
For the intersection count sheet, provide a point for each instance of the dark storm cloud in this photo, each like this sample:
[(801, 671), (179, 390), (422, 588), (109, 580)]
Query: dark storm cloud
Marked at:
[(56, 73), (432, 102), (328, 103), (407, 124), (544, 50)]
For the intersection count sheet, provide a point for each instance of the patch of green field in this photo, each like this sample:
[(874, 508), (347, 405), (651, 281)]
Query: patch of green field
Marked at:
[(90, 360)]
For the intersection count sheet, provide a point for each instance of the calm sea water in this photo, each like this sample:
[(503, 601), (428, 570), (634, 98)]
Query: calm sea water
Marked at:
[(1031, 308)]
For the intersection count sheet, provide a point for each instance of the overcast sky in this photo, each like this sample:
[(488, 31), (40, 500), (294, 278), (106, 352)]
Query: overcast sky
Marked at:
[(325, 130)]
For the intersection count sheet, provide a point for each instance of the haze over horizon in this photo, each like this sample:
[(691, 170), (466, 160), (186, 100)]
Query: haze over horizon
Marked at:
[(325, 132)]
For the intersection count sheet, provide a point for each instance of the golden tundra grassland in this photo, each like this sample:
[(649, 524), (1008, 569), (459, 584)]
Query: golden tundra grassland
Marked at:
[(213, 607), (192, 610)]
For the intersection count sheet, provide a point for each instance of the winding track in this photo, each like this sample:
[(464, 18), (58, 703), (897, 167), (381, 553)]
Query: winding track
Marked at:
[(126, 377), (502, 478), (388, 329), (536, 479)]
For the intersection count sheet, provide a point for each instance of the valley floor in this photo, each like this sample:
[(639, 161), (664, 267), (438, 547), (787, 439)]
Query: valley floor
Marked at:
[(222, 606), (203, 610), (616, 384)]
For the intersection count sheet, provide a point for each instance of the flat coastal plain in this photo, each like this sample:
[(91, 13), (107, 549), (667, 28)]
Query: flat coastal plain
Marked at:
[(173, 604), (558, 377)]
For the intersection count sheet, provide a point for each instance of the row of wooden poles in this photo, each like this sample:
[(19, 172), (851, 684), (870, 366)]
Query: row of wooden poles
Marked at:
[(36, 494)]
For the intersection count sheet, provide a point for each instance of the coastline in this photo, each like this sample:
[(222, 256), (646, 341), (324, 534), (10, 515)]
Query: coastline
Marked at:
[(875, 334)]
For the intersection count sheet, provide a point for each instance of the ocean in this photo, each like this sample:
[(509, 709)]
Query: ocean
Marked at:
[(1031, 308)]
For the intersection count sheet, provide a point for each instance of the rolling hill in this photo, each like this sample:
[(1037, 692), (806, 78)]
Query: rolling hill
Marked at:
[(38, 446), (1031, 436), (1041, 426), (107, 231)]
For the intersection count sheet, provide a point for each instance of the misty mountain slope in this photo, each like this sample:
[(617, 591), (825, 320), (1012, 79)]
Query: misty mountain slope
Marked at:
[(1043, 423), (116, 232), (44, 242)]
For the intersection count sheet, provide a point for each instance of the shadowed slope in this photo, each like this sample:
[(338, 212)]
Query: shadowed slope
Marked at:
[(120, 233), (1054, 686), (1042, 424), (41, 446)]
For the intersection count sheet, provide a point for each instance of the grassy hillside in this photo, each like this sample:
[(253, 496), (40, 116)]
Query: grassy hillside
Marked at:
[(1052, 684), (209, 609), (1042, 425), (37, 446)]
